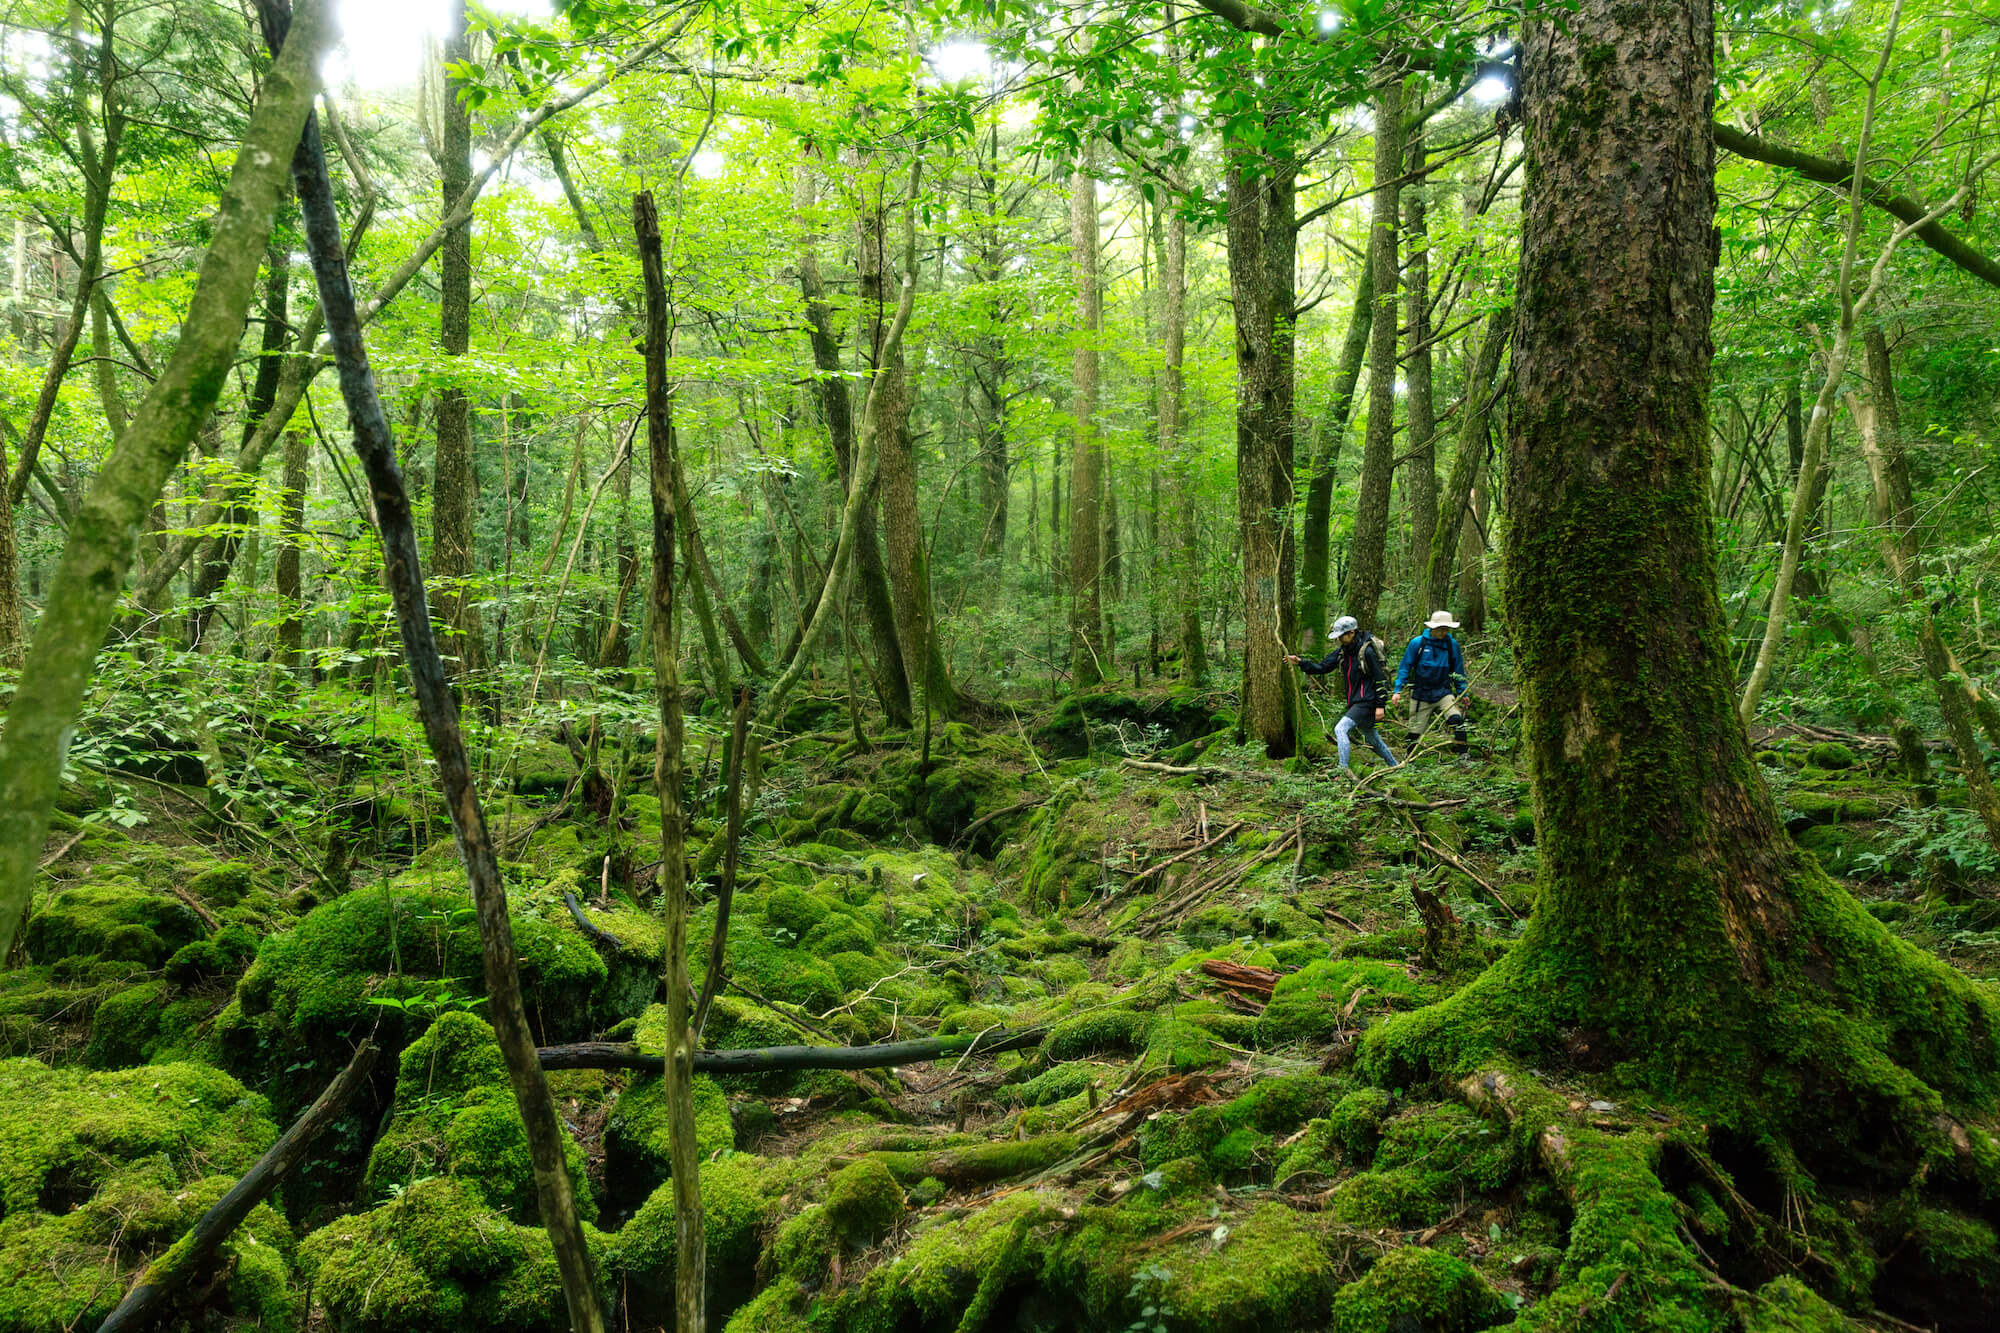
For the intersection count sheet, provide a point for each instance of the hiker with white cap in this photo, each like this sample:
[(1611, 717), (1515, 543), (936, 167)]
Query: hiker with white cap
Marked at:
[(1434, 670), (1358, 659)]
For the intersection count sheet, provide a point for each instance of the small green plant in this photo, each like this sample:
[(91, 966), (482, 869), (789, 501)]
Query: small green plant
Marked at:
[(438, 999), (1149, 1291)]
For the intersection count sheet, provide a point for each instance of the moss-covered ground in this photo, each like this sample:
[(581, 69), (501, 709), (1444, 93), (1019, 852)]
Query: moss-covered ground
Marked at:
[(1201, 1138)]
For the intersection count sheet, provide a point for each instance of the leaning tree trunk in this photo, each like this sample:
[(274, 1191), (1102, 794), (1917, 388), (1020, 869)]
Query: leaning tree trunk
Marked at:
[(1678, 936), (454, 485), (1086, 619), (105, 531), (1261, 248), (1368, 555), (292, 521), (1469, 461), (1896, 514), (1315, 580)]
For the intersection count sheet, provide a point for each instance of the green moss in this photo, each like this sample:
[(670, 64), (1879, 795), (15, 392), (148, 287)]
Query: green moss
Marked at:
[(740, 1197), (863, 1201), (1787, 1305), (1830, 755), (436, 1259), (224, 884), (116, 920), (839, 933), (1355, 1123), (1097, 1032), (455, 1115), (1418, 1289), (795, 910), (981, 1163), (1234, 1137), (126, 1028), (224, 954), (1311, 1006), (1272, 1270), (1054, 1085), (101, 1172), (637, 1146)]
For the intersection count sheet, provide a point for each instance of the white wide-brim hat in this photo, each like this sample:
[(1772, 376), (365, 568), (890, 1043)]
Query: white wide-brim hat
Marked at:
[(1441, 620)]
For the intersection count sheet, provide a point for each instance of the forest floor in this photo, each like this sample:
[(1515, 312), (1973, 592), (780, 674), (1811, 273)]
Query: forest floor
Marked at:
[(1200, 936)]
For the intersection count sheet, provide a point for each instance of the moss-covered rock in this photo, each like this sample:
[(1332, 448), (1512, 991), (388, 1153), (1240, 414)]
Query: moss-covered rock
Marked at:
[(1315, 1004), (455, 1115), (1235, 1137), (224, 954), (1415, 1290), (740, 1197), (863, 1201), (637, 1146), (1096, 1033), (1830, 755), (100, 1172), (437, 1259), (116, 920)]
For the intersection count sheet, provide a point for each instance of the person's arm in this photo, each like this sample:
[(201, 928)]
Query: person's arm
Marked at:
[(1409, 665), (1461, 681), (1322, 666)]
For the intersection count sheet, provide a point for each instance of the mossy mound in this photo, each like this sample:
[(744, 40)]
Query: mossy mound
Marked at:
[(740, 1197), (113, 919), (1415, 1290), (1323, 1000), (1083, 722), (863, 1201), (436, 1259), (349, 965), (100, 1172), (147, 1022), (1235, 1137), (637, 1146), (455, 1115)]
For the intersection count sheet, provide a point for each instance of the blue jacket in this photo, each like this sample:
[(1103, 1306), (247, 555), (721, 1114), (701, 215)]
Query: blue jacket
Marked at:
[(1432, 668)]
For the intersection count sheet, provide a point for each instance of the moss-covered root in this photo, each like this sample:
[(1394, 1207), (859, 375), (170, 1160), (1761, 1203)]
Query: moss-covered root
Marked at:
[(1627, 1267)]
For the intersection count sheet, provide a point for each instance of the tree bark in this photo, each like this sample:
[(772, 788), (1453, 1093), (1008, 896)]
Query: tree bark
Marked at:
[(677, 1073), (1368, 556), (891, 673), (454, 484), (1087, 657), (291, 587), (1472, 555), (1174, 448), (1468, 462), (1896, 514), (1421, 415), (105, 532), (1262, 236), (1315, 574), (403, 572)]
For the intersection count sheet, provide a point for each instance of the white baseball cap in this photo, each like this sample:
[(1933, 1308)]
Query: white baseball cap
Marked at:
[(1342, 626)]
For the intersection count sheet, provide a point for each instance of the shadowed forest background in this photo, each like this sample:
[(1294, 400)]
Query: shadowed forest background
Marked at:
[(645, 663)]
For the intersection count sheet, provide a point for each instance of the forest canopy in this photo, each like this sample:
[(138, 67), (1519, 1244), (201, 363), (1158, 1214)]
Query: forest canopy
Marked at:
[(999, 664)]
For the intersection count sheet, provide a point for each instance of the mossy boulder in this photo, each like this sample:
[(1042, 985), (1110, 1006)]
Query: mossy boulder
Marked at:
[(224, 884), (740, 1197), (1235, 1137), (116, 920), (224, 954), (1415, 1290), (314, 989), (637, 1147), (1314, 1005), (100, 1172), (126, 1027), (455, 1115), (1098, 1032), (864, 1201), (1830, 755), (438, 1259)]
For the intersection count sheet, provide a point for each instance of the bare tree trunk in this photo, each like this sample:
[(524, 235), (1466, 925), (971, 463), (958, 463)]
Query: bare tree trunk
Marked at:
[(292, 519), (1422, 490), (1895, 507), (1179, 455), (1468, 463), (454, 484), (1086, 617), (1472, 557), (891, 672), (1368, 555), (677, 1074), (1315, 575), (105, 532)]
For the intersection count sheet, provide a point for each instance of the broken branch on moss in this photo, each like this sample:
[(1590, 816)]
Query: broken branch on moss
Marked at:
[(770, 1059)]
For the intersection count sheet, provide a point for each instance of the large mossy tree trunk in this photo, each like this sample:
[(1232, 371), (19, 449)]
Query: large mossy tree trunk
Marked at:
[(104, 534), (1262, 246), (1421, 465), (1368, 554), (1680, 944), (1087, 656)]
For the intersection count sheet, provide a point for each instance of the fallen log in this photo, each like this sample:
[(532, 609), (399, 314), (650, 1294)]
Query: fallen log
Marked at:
[(1157, 867), (769, 1059), (191, 1254), (1201, 772), (1245, 978), (593, 932)]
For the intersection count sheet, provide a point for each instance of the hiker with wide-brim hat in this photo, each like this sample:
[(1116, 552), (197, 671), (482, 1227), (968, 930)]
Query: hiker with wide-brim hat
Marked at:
[(1434, 671), (1357, 658)]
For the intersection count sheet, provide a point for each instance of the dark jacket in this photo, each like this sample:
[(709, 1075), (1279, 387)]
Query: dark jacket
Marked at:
[(1361, 669), (1432, 668)]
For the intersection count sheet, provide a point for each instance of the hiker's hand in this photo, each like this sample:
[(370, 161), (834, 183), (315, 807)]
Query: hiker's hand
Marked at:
[(1396, 698), (1293, 658), (1380, 713)]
